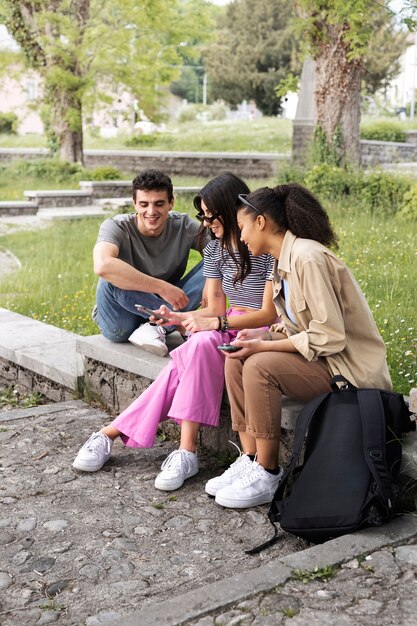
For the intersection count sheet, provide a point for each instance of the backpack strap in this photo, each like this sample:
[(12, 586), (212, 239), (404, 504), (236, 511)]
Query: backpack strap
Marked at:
[(303, 422), (373, 427)]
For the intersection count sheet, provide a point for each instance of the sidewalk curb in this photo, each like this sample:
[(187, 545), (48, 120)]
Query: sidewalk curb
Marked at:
[(223, 593)]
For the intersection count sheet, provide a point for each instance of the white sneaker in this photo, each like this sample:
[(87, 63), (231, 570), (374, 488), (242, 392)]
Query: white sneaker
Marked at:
[(255, 487), (94, 453), (237, 469), (177, 467), (150, 338)]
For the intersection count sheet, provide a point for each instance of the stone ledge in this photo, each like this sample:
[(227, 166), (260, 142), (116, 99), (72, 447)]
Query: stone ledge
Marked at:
[(18, 207), (125, 356), (40, 348), (59, 197)]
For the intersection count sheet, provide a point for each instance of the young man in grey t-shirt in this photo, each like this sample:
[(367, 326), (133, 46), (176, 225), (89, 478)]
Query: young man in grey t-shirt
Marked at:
[(140, 258)]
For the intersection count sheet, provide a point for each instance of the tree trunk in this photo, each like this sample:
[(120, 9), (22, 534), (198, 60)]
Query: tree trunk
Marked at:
[(66, 124), (338, 84)]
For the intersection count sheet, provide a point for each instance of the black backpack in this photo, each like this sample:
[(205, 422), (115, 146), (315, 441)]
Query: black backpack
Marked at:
[(347, 479)]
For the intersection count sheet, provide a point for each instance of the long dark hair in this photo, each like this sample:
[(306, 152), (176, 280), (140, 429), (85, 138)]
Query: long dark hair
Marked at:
[(295, 208), (220, 196)]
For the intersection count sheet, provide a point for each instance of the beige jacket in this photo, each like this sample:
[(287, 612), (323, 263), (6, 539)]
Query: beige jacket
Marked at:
[(332, 312)]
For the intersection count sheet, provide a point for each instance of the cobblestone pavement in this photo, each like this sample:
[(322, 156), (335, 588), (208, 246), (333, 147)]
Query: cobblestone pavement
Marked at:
[(94, 549), (379, 590), (82, 548)]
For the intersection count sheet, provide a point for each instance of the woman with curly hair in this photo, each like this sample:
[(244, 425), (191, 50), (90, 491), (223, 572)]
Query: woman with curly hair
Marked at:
[(326, 328)]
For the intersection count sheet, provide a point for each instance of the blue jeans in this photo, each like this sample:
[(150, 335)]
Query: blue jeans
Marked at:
[(116, 313)]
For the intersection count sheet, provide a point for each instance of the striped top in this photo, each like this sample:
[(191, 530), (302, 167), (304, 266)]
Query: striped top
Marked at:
[(220, 265)]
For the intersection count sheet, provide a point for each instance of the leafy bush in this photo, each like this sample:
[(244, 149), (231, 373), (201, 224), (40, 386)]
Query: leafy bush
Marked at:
[(383, 193), (8, 123), (54, 169), (329, 181), (375, 191), (408, 210), (383, 130), (105, 173), (142, 140)]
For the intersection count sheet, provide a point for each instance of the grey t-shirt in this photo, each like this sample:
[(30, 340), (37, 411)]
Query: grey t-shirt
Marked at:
[(163, 257)]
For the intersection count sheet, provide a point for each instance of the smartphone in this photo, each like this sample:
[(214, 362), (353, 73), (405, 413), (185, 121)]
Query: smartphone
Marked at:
[(228, 348), (149, 312)]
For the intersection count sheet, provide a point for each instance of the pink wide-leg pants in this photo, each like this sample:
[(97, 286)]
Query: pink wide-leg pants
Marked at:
[(190, 387)]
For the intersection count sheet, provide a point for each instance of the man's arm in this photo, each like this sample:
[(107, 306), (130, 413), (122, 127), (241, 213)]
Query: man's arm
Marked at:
[(124, 276)]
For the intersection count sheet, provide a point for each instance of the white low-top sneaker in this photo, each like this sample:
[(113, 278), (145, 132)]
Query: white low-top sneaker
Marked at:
[(255, 487), (237, 469), (151, 338), (94, 453), (177, 467)]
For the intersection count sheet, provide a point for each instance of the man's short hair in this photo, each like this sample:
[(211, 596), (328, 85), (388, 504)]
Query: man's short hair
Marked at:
[(153, 180)]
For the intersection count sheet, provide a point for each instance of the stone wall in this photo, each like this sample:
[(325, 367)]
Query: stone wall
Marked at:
[(25, 380), (202, 164), (209, 164), (380, 152)]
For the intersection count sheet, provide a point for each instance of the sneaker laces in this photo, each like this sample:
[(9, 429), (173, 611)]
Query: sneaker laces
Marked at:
[(256, 471), (236, 465), (176, 460), (98, 442)]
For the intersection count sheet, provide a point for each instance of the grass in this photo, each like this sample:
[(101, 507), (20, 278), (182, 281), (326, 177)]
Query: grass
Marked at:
[(267, 134), (56, 283)]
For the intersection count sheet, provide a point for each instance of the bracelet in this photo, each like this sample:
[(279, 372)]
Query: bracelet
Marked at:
[(224, 323), (219, 327)]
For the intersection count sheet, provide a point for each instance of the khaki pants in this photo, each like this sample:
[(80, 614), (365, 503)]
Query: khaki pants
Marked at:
[(256, 385)]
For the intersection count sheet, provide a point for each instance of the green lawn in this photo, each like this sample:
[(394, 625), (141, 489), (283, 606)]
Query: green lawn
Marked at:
[(267, 134), (56, 283)]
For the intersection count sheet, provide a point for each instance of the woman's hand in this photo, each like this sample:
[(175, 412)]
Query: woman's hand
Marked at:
[(253, 333), (195, 323), (247, 347)]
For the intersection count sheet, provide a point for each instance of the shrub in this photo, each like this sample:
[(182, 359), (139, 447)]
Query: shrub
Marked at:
[(142, 140), (330, 181), (383, 193), (383, 131), (105, 173), (408, 210), (375, 191), (55, 169), (8, 123)]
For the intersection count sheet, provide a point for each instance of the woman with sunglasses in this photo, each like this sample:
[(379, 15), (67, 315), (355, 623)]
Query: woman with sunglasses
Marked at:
[(326, 328), (189, 389)]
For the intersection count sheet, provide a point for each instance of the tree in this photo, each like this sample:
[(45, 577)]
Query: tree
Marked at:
[(253, 51), (337, 34), (386, 45), (87, 49)]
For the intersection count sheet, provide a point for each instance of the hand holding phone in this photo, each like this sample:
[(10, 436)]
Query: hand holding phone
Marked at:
[(226, 347), (149, 312)]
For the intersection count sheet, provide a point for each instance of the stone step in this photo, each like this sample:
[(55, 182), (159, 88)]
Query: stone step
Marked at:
[(122, 188), (18, 207), (29, 347), (59, 198), (76, 212)]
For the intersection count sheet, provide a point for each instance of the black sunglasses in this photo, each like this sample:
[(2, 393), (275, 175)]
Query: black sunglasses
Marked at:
[(203, 218), (242, 197)]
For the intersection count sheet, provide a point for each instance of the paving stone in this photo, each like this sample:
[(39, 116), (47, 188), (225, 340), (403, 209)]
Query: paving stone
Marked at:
[(74, 544)]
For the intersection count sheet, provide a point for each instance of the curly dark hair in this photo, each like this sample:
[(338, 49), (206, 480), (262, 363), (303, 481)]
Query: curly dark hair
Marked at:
[(293, 207), (153, 180), (220, 196)]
